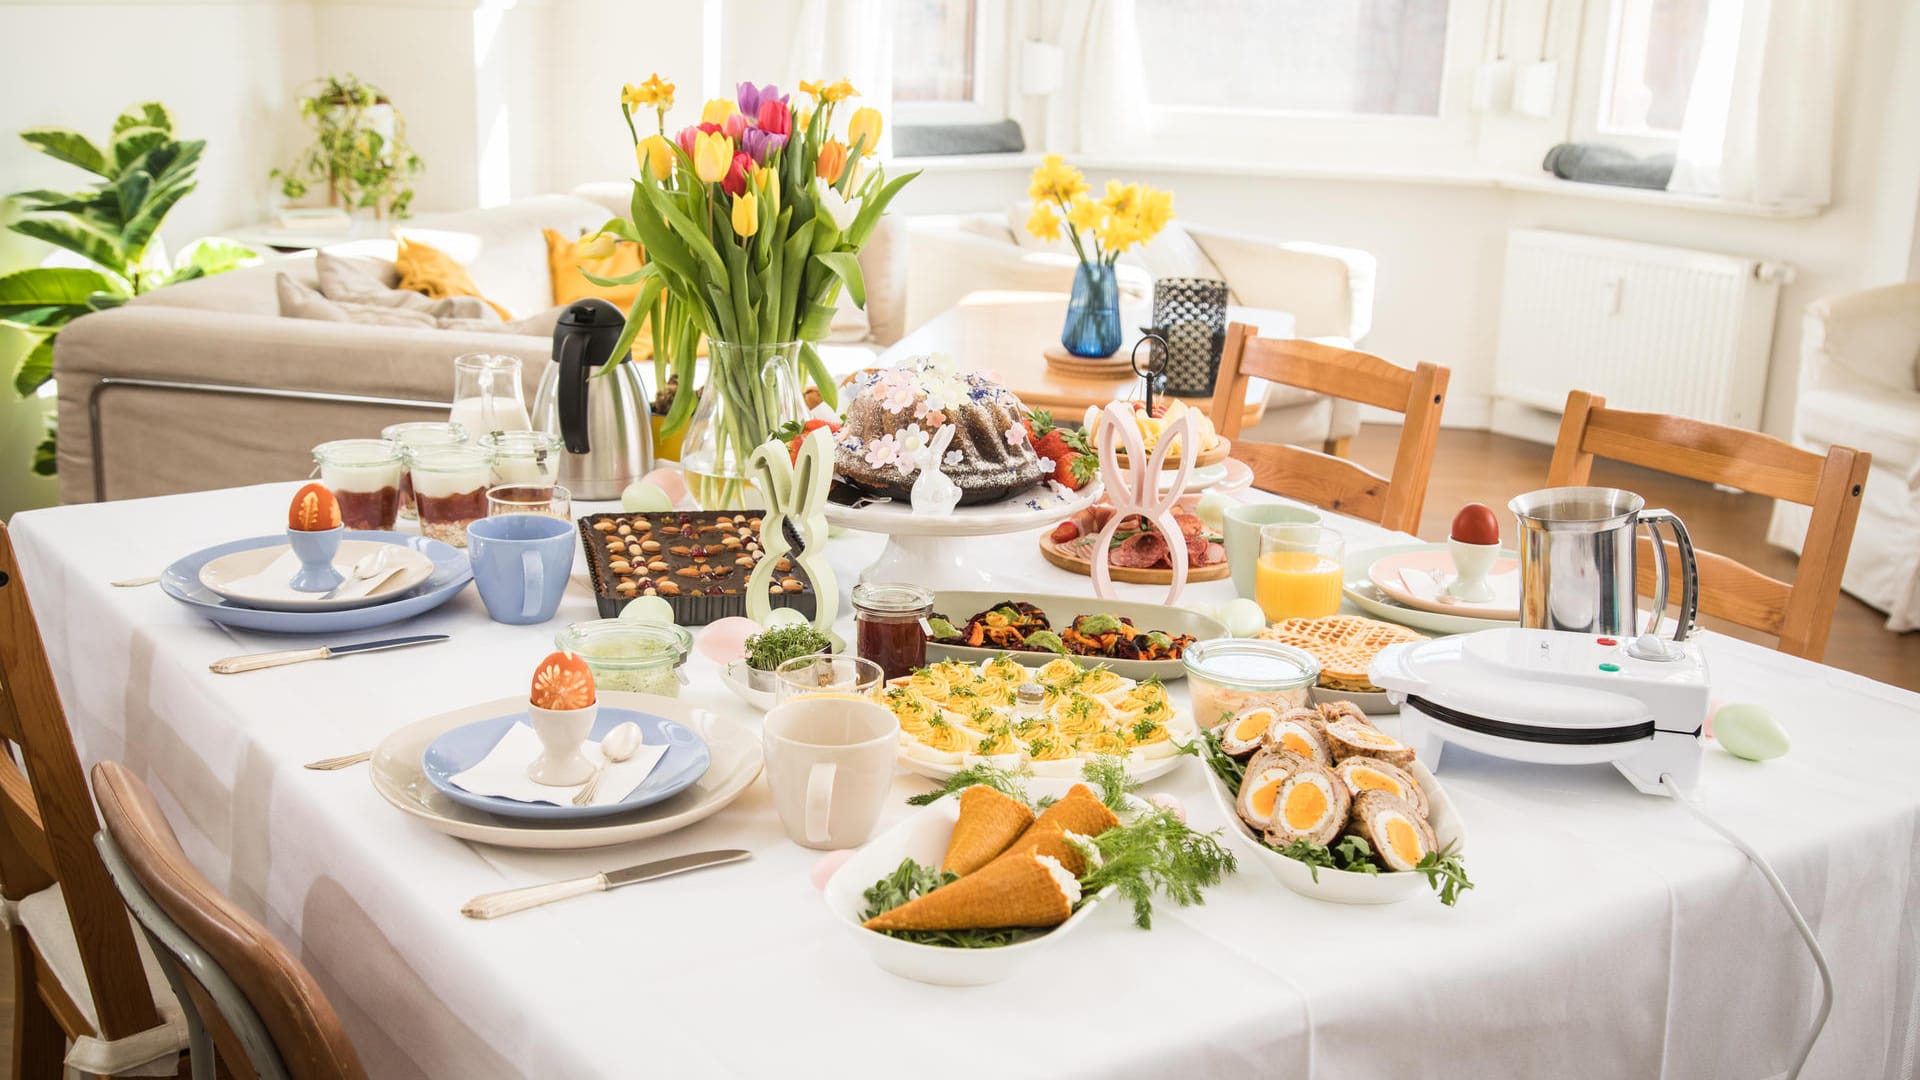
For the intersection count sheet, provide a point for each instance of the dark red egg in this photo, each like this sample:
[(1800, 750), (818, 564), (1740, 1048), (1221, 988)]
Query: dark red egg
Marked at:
[(1475, 524)]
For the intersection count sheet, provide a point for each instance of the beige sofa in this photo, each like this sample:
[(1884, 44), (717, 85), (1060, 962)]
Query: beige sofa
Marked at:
[(206, 385), (1328, 290)]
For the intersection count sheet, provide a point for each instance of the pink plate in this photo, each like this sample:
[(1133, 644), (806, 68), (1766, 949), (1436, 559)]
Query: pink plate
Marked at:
[(1434, 560)]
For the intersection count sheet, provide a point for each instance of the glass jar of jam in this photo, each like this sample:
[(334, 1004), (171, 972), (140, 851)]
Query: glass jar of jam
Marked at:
[(364, 476), (420, 435), (890, 625)]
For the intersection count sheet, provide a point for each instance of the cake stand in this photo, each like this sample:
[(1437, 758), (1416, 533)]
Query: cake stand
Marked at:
[(936, 552)]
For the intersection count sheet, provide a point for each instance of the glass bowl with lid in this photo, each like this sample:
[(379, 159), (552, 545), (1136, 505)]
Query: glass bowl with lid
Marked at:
[(1226, 675), (643, 658)]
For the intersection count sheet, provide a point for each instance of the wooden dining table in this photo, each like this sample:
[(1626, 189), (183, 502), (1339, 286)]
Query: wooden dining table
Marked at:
[(1607, 934)]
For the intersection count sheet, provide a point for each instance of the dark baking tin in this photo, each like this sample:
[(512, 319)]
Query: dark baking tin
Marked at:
[(687, 610)]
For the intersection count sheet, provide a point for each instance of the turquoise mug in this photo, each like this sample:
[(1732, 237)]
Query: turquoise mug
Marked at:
[(521, 563), (1243, 524)]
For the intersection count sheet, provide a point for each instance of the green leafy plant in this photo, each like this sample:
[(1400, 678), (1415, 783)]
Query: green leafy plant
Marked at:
[(142, 173), (359, 150), (771, 648)]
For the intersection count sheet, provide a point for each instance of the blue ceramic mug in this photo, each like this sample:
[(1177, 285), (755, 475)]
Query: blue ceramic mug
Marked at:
[(521, 563)]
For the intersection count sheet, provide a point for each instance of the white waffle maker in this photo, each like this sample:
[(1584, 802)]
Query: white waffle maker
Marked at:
[(1555, 697)]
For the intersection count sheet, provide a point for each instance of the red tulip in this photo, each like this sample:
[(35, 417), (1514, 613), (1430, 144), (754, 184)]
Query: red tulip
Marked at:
[(736, 179), (775, 119)]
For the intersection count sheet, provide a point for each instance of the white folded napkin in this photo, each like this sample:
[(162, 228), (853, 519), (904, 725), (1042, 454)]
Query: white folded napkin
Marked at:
[(1431, 588), (275, 582), (503, 772)]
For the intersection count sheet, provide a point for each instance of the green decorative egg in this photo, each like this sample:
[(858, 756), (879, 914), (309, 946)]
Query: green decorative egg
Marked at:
[(1751, 732), (641, 497)]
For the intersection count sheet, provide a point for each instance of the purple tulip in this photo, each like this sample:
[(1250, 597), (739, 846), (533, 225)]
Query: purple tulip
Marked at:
[(751, 97), (760, 144)]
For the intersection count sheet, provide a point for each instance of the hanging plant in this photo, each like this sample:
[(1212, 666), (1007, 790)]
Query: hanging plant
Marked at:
[(359, 151)]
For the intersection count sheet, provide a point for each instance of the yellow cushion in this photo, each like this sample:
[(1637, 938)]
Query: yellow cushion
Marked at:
[(565, 262), (431, 271)]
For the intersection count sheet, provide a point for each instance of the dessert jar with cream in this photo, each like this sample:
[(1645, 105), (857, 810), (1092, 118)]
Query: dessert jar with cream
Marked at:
[(420, 435), (450, 490), (364, 476)]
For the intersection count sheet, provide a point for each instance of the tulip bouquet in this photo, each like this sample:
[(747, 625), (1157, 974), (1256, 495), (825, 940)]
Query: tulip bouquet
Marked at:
[(752, 221), (1101, 230)]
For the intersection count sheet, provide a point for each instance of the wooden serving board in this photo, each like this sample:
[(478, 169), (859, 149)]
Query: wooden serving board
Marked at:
[(1212, 455), (1060, 556)]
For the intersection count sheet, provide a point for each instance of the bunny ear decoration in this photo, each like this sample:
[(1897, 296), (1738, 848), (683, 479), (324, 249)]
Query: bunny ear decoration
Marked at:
[(1183, 437), (1135, 492), (794, 491)]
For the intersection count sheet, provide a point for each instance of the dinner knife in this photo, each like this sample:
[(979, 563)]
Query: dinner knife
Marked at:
[(254, 661), (495, 904)]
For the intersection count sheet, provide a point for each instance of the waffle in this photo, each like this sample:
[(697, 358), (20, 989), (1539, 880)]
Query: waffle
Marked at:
[(1345, 645)]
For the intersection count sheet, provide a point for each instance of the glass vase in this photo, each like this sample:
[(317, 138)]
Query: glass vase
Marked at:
[(1093, 312), (752, 391)]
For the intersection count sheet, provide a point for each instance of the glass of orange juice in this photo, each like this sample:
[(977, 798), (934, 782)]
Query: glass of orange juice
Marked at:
[(1300, 571)]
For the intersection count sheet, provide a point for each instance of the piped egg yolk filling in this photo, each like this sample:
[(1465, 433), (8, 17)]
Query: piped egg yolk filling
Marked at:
[(1292, 739), (1306, 806), (1368, 780), (1404, 840), (1263, 797)]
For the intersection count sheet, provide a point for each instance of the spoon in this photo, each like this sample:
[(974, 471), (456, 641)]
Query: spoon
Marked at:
[(616, 746), (371, 565)]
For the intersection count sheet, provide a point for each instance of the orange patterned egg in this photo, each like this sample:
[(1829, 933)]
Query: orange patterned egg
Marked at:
[(562, 681), (314, 509)]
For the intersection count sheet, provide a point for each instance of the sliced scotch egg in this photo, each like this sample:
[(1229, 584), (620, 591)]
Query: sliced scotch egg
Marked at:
[(1311, 805), (1364, 774), (1342, 708), (1246, 730), (1299, 730), (1259, 794), (1356, 738), (1399, 835)]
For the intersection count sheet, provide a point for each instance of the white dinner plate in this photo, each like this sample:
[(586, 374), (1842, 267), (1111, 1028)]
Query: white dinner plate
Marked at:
[(235, 577), (1371, 600), (1139, 766), (398, 777)]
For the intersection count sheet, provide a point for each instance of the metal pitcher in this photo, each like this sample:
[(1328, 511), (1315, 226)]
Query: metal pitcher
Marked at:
[(1577, 555), (599, 408)]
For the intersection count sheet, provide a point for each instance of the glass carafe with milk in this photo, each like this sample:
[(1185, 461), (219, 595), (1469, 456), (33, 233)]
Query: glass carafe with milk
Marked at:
[(487, 396)]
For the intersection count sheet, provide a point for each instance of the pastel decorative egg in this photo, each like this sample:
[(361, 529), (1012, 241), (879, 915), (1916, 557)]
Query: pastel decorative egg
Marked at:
[(784, 616), (640, 497), (671, 481), (314, 509), (652, 610), (563, 681), (1243, 617), (725, 640), (1750, 732), (1212, 510)]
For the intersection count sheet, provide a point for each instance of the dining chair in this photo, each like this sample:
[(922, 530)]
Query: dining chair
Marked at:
[(1323, 479), (251, 1005), (1800, 614), (80, 973)]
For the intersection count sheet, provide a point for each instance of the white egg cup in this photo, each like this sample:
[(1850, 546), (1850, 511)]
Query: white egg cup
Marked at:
[(1471, 563), (561, 733)]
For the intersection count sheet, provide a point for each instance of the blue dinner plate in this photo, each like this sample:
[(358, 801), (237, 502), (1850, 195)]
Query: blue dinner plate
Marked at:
[(451, 572), (460, 749)]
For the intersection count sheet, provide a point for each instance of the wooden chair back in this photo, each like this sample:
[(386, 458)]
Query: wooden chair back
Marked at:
[(1800, 614), (275, 990), (49, 825), (1326, 481)]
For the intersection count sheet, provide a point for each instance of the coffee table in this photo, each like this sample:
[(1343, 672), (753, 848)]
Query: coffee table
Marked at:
[(1006, 332)]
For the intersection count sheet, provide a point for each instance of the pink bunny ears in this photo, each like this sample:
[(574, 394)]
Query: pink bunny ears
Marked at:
[(1135, 490)]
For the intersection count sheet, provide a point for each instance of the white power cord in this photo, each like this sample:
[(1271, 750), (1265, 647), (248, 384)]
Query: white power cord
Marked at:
[(1793, 912)]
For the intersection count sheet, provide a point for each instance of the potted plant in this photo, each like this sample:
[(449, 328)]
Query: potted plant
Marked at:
[(1101, 231), (359, 150), (114, 225)]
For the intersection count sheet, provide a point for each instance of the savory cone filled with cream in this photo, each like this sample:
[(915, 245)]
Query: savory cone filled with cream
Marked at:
[(1021, 890), (989, 821), (1080, 811)]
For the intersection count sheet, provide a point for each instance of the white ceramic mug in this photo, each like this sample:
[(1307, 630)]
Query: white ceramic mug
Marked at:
[(830, 766)]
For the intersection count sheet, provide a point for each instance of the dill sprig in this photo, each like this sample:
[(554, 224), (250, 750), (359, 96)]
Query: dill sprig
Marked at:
[(1005, 781), (1109, 775), (1156, 853)]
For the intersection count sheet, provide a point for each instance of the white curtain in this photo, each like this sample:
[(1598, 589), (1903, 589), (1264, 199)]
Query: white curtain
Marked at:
[(850, 39), (1759, 120), (1101, 108)]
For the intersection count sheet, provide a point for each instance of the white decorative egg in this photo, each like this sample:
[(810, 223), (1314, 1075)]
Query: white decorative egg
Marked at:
[(1243, 617), (648, 609), (783, 616), (641, 497)]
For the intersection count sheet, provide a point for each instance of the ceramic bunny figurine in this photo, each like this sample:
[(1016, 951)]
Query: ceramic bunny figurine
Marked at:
[(934, 492), (795, 522), (1135, 489)]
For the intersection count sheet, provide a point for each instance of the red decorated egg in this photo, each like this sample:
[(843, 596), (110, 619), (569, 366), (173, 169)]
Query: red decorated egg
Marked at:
[(562, 681), (1475, 524), (314, 509)]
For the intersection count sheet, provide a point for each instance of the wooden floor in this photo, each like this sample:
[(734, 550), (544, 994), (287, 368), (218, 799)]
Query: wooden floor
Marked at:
[(1479, 466)]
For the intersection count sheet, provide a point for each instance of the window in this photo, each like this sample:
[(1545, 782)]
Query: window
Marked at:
[(1652, 53), (1383, 57), (947, 61)]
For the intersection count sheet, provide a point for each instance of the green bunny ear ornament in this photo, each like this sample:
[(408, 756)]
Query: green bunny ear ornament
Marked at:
[(796, 495)]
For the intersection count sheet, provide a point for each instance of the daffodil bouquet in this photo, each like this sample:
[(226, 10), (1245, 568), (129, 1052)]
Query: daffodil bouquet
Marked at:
[(1101, 230), (752, 222)]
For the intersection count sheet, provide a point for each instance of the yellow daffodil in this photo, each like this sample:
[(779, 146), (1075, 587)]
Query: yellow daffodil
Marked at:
[(630, 96), (597, 246), (1056, 181), (863, 130), (1084, 214), (746, 215), (655, 155), (1156, 209), (712, 156), (832, 159), (1043, 223), (827, 93), (717, 111), (1121, 199), (656, 92), (1119, 233)]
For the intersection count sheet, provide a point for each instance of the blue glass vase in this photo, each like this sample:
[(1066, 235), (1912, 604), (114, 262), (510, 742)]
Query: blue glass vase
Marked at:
[(1093, 313)]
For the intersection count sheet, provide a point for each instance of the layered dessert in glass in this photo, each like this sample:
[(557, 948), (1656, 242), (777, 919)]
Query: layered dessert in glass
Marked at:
[(524, 457), (364, 476), (450, 490), (420, 435)]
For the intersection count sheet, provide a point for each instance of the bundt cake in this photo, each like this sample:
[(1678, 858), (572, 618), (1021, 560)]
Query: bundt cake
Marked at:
[(891, 417)]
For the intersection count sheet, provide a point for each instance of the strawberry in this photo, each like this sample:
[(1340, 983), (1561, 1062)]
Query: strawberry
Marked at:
[(1074, 463), (793, 432)]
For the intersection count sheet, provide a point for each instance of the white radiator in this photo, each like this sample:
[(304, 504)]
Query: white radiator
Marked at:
[(1654, 329)]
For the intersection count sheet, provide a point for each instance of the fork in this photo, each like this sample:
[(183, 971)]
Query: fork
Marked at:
[(341, 762)]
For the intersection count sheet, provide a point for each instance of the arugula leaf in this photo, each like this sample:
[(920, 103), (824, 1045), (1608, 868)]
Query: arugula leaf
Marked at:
[(1156, 853), (1109, 774), (1445, 874), (1005, 781), (1306, 851), (909, 881), (1355, 854)]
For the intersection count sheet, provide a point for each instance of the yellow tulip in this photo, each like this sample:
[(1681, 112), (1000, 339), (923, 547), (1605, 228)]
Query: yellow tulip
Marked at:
[(717, 111), (1043, 222), (712, 156), (766, 183), (656, 156), (746, 214), (832, 159), (864, 130), (597, 246), (804, 121)]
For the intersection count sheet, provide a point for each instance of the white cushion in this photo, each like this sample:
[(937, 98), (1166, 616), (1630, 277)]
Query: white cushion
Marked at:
[(1884, 423), (145, 1053)]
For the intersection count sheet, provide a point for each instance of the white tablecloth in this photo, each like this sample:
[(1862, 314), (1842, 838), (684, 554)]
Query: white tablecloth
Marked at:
[(1609, 935)]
